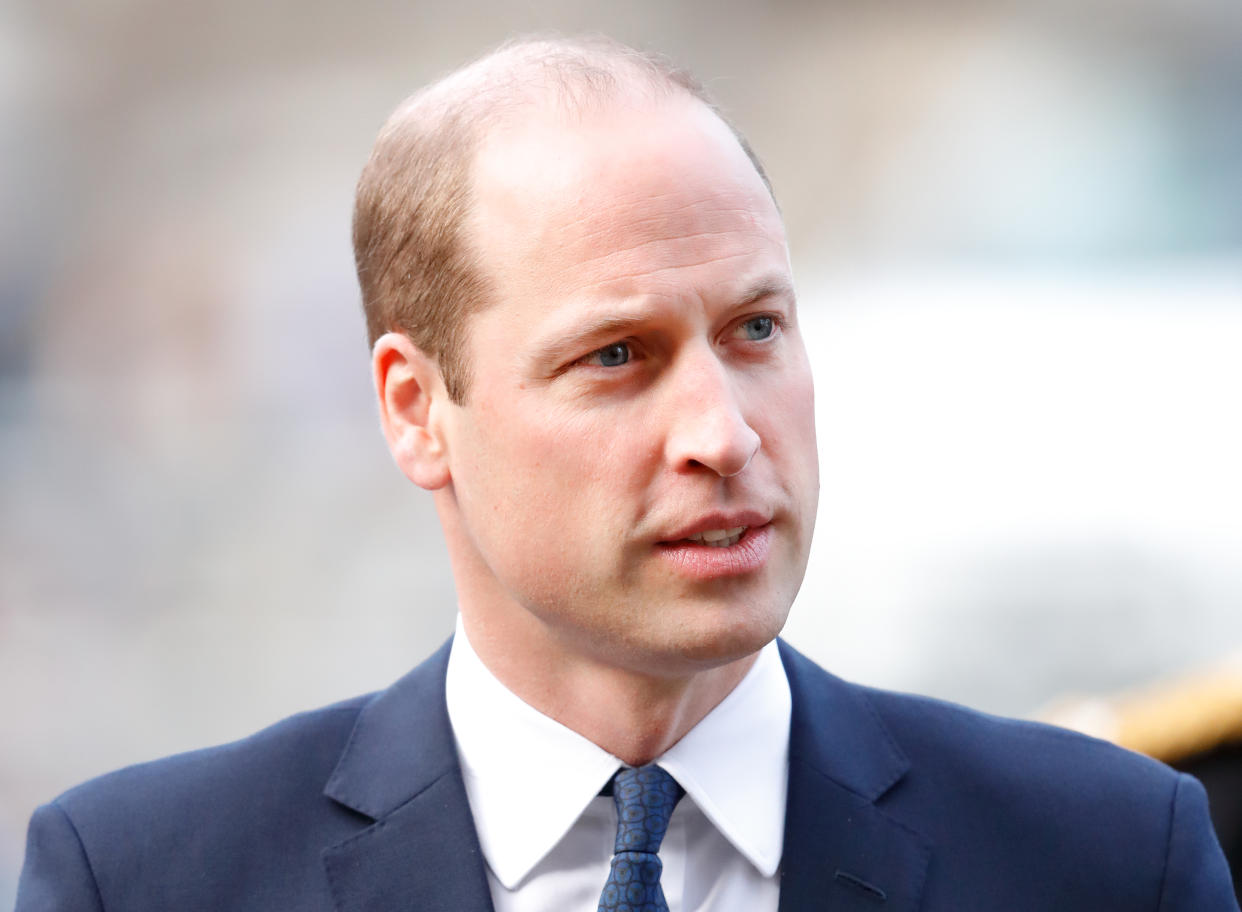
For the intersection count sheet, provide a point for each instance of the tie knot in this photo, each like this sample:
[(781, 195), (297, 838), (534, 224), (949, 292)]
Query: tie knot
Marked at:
[(645, 797)]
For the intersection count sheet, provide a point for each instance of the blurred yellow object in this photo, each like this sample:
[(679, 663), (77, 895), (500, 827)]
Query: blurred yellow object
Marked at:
[(1171, 720)]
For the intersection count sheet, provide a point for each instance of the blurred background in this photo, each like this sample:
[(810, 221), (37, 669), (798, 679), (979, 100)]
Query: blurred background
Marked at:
[(1017, 229)]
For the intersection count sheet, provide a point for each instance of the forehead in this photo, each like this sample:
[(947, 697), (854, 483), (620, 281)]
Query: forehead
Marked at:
[(640, 193)]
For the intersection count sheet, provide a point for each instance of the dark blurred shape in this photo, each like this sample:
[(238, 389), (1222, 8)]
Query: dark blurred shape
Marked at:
[(1220, 771)]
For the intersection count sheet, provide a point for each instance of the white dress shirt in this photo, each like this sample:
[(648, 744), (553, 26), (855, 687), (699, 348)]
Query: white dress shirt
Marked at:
[(547, 835)]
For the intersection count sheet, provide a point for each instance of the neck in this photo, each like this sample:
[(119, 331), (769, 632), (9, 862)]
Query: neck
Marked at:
[(634, 715), (635, 707)]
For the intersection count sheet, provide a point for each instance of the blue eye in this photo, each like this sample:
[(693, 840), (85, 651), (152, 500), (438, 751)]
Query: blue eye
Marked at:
[(613, 355), (758, 328)]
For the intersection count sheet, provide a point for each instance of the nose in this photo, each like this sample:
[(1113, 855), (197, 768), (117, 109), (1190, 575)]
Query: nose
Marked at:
[(709, 430)]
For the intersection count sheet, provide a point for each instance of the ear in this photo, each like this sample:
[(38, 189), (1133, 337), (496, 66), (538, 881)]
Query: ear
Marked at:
[(411, 397)]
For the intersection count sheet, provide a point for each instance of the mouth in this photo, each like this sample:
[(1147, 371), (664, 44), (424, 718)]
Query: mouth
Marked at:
[(721, 552), (718, 529), (718, 538)]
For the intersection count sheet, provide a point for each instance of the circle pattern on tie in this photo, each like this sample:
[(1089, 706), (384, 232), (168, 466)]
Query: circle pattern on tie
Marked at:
[(645, 797)]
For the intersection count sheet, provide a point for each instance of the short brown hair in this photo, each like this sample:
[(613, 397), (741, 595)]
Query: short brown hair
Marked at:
[(417, 269)]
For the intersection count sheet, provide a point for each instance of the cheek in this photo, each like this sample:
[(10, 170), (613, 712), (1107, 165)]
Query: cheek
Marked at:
[(804, 415), (547, 473), (786, 416), (597, 452)]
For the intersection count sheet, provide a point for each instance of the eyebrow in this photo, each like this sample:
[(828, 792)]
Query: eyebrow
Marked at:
[(606, 327), (767, 288)]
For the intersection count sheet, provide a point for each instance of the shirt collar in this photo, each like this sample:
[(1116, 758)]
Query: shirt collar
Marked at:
[(733, 765), (735, 762)]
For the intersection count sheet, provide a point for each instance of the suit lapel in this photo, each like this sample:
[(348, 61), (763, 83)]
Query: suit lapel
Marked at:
[(841, 851), (400, 770)]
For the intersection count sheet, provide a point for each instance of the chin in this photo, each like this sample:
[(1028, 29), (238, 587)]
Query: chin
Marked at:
[(728, 639)]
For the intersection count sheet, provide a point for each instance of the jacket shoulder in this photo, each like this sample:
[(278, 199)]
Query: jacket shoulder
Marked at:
[(293, 754), (239, 826), (966, 741), (1024, 813), (1105, 824)]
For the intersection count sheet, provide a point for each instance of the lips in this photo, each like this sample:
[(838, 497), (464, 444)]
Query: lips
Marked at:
[(717, 529), (726, 543), (719, 552)]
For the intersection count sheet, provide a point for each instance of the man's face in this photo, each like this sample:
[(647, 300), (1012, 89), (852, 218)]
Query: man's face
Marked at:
[(634, 469)]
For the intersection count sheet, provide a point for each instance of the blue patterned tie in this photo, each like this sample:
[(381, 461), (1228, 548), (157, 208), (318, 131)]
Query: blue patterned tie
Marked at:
[(645, 798)]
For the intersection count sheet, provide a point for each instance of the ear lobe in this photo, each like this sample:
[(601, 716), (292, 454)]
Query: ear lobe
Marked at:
[(411, 395)]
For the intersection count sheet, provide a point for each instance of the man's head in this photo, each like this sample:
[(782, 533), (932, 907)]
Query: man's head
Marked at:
[(630, 477), (419, 271)]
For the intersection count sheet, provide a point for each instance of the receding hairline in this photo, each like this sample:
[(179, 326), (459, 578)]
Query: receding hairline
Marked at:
[(577, 76), (574, 73)]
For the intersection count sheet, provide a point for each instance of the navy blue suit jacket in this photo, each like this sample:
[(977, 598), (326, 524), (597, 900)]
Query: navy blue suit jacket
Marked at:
[(896, 803)]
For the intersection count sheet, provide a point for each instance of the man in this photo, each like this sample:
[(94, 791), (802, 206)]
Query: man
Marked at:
[(585, 343)]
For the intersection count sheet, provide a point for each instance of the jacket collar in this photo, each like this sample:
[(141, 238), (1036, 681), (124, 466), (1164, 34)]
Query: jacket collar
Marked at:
[(400, 770), (841, 850)]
